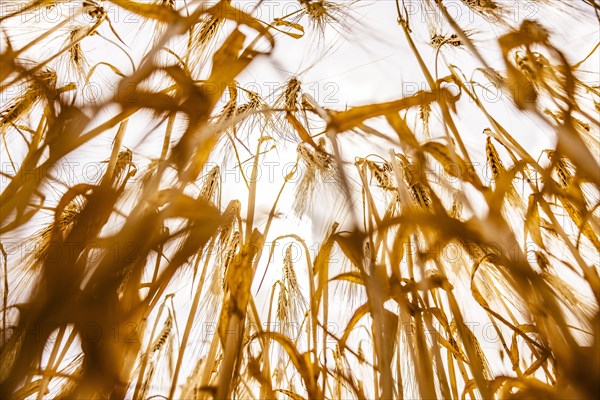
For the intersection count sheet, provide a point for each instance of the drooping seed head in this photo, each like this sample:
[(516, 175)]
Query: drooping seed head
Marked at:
[(493, 160), (291, 95), (93, 9), (230, 252), (163, 336), (211, 184), (289, 275)]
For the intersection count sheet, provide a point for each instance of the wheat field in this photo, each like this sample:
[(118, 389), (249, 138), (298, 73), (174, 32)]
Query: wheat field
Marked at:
[(224, 199)]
